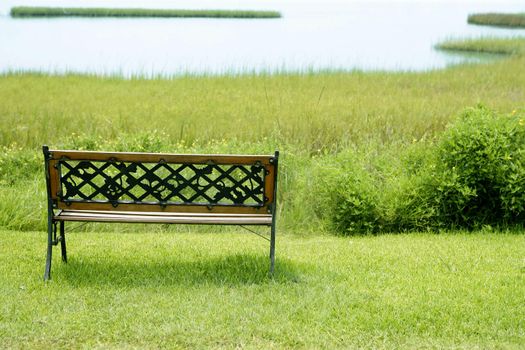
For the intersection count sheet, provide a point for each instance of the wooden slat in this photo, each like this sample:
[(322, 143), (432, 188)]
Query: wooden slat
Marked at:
[(269, 184), (156, 214), (54, 181), (167, 209), (157, 157), (164, 219)]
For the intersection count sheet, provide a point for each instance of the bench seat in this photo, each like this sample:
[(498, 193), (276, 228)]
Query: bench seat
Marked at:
[(163, 218)]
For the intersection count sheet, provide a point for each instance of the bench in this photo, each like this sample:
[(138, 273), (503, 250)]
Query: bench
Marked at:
[(131, 187)]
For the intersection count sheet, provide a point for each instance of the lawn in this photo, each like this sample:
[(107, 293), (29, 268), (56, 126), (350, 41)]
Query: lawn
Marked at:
[(160, 289)]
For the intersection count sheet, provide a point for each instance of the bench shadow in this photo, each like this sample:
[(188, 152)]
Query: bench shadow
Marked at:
[(239, 269)]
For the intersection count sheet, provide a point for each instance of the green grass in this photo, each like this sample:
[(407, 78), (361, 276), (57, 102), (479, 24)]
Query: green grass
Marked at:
[(515, 20), (384, 118), (326, 111), (24, 11), (154, 290)]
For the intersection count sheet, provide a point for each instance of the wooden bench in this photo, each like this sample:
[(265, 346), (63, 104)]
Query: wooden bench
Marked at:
[(158, 188)]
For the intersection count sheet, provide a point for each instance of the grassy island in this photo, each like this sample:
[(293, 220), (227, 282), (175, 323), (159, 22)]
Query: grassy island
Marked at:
[(24, 11), (510, 46), (498, 19)]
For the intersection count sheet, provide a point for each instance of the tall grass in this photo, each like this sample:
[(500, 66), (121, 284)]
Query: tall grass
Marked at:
[(376, 120), (25, 11), (498, 19), (316, 113)]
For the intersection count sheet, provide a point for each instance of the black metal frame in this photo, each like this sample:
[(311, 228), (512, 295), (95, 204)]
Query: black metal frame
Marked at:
[(275, 161), (54, 239)]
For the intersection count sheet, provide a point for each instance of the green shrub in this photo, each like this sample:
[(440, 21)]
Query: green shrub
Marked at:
[(472, 175), (346, 194), (479, 171)]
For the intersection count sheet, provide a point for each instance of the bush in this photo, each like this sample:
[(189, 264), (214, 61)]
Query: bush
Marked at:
[(346, 194), (473, 175), (479, 177)]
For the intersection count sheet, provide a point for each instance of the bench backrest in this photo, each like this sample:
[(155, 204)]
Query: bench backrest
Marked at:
[(119, 181)]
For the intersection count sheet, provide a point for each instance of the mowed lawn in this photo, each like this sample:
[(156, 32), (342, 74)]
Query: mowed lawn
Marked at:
[(211, 290)]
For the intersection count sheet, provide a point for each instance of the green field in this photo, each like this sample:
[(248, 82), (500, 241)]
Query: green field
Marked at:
[(515, 20), (26, 11), (140, 286), (194, 290), (380, 122)]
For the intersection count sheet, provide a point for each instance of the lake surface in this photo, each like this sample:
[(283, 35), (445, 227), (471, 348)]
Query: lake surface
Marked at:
[(311, 35)]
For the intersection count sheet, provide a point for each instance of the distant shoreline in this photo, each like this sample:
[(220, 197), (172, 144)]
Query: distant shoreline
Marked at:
[(25, 11)]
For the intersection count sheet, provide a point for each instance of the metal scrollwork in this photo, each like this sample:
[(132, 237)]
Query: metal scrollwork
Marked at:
[(162, 183)]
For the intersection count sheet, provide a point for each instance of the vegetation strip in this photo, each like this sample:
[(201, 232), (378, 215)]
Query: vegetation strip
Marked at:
[(498, 19), (511, 46), (362, 152), (24, 11)]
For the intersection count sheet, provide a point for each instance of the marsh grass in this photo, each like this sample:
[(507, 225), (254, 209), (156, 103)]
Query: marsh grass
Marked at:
[(376, 118), (515, 20), (318, 112), (212, 291), (25, 11)]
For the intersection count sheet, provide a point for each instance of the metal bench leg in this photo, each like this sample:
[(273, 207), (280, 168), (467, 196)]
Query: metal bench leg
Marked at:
[(273, 161), (63, 242), (272, 249), (50, 227)]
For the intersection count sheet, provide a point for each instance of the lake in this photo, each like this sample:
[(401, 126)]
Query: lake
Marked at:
[(311, 35)]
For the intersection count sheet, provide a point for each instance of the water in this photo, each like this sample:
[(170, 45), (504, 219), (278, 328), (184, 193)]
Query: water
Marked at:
[(312, 35)]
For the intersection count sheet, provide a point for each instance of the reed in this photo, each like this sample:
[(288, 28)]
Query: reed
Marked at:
[(25, 11)]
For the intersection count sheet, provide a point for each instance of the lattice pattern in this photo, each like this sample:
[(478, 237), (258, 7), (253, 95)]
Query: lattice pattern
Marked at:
[(162, 183)]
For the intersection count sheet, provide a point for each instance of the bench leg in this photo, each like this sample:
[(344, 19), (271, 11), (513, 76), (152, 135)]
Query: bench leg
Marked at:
[(63, 242), (50, 227), (272, 250)]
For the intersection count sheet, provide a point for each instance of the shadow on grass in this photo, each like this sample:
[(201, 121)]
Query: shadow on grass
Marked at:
[(240, 269)]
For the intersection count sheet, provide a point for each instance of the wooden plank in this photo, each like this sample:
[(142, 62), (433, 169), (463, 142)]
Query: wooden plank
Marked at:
[(269, 184), (182, 208), (166, 157), (54, 179), (216, 220), (156, 214)]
